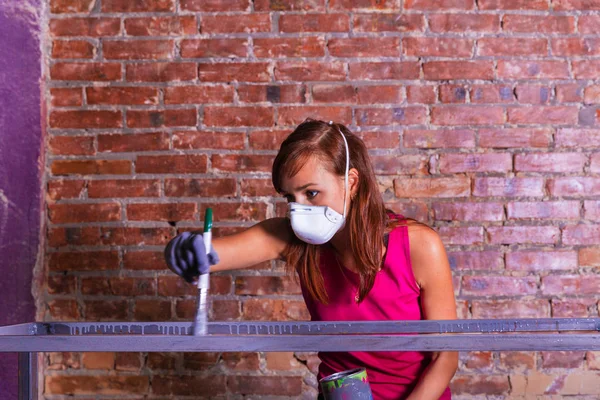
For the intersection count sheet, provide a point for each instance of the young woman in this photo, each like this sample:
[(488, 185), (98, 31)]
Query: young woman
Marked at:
[(354, 260)]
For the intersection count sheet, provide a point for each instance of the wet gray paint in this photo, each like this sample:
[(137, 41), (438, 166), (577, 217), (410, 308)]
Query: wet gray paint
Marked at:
[(20, 146)]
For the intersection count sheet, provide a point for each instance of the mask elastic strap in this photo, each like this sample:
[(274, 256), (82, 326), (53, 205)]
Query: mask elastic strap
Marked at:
[(347, 168)]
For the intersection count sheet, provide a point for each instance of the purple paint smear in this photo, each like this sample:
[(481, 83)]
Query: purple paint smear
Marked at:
[(20, 144)]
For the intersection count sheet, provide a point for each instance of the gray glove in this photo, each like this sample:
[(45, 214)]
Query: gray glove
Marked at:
[(186, 256)]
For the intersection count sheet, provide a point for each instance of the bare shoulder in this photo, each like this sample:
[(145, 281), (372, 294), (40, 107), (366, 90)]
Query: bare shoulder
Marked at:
[(427, 253)]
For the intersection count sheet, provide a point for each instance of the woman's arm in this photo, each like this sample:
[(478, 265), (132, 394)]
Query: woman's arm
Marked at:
[(262, 242), (432, 272)]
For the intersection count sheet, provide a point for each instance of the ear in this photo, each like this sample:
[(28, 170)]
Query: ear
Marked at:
[(353, 179)]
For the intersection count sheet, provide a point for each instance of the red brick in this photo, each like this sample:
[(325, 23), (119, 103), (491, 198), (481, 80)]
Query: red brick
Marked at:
[(282, 361), (543, 115), (92, 385), (569, 93), (389, 22), (63, 189), (562, 359), (72, 49), (476, 260), (86, 119), (110, 236), (589, 24), (364, 47), (301, 71), (436, 5), (128, 362), (461, 235), (241, 361), (570, 285), (453, 93), (84, 261), (71, 145), (380, 139), (200, 94), (460, 163), (63, 310), (384, 70), (239, 23), (548, 162), (313, 23), (93, 27), (98, 360), (379, 94), (538, 23), (239, 211), (421, 94), (334, 94), (573, 308), (575, 47), (226, 72), (119, 286), (498, 285), (437, 187), (589, 256), (516, 137), (161, 26), (122, 95), (533, 94), (208, 140), (541, 260), (592, 210), (265, 385), (467, 115), (116, 6), (71, 6), (144, 260), (257, 187), (310, 46), (374, 5), (238, 116), (73, 71), (513, 4), (461, 23), (152, 310), (275, 310), (530, 308), (399, 165), (517, 361), (293, 115), (225, 187), (290, 5), (161, 212), (449, 70), (223, 310), (507, 46), (455, 211), (200, 361), (215, 5), (581, 235), (413, 115), (293, 93), (190, 163), (73, 213), (508, 187), (538, 69), (202, 48), (523, 234), (60, 237), (543, 210), (66, 97), (210, 385), (138, 49), (161, 118), (410, 209), (161, 72), (568, 5), (91, 167), (592, 94), (491, 94), (478, 360), (265, 285), (123, 188), (115, 143), (437, 47), (164, 361), (173, 285)]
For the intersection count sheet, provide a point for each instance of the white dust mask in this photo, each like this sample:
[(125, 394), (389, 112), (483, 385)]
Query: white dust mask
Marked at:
[(318, 224)]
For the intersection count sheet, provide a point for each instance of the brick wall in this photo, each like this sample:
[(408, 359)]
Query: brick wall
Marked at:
[(481, 120)]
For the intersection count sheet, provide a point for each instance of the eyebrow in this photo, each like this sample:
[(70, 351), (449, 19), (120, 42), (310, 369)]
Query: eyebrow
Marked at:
[(302, 187)]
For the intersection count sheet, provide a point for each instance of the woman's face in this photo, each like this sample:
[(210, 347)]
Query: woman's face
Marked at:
[(315, 185)]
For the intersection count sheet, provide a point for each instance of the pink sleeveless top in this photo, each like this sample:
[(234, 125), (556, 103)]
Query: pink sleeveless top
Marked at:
[(394, 296)]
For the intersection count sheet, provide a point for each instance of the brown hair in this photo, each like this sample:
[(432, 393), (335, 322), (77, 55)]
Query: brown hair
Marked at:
[(366, 213)]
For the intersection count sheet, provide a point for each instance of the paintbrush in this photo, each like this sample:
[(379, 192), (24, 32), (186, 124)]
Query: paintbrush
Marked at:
[(200, 324)]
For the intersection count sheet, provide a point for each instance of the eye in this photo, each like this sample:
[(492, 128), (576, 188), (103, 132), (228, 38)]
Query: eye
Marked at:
[(311, 194)]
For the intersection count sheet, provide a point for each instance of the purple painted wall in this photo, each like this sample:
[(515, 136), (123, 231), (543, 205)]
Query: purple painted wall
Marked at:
[(20, 144)]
